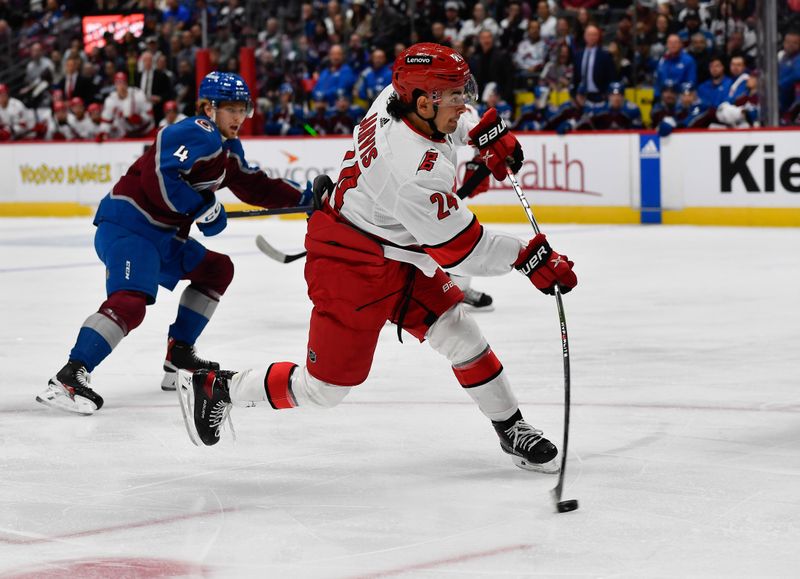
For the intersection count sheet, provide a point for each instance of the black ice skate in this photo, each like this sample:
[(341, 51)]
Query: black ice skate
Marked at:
[(478, 301), (205, 404), (526, 445), (69, 391), (181, 356)]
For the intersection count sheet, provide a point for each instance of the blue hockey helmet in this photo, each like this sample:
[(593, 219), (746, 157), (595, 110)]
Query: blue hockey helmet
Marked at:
[(687, 87), (616, 88), (218, 87)]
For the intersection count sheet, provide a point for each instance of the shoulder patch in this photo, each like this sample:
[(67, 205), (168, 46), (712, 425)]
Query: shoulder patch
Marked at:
[(204, 124), (383, 121), (428, 160)]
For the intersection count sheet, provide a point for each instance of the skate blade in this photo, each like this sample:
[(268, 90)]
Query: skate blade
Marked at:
[(62, 401), (549, 467), (185, 391)]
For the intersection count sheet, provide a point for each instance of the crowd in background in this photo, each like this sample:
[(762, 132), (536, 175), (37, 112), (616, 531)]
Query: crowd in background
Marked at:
[(545, 65)]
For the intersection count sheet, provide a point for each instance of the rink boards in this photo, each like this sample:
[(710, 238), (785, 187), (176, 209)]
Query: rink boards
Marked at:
[(706, 177)]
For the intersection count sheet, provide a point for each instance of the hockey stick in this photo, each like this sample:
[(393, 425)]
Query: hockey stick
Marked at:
[(571, 504), (273, 211), (276, 254)]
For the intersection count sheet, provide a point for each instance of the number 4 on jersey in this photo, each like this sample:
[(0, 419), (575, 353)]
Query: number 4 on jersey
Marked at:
[(182, 153)]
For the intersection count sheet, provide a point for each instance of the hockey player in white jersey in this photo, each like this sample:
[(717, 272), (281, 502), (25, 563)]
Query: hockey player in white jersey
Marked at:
[(14, 117), (79, 119), (377, 251), (126, 112)]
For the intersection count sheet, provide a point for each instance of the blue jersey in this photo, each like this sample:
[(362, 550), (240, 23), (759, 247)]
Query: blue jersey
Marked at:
[(628, 116), (163, 191), (714, 94)]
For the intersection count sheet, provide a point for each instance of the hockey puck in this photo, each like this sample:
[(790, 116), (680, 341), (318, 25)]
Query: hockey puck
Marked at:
[(567, 506)]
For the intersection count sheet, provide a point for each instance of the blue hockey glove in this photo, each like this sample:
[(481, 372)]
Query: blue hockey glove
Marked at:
[(212, 219), (666, 126)]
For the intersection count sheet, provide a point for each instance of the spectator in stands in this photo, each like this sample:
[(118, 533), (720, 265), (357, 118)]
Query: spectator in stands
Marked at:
[(715, 90), (171, 115), (594, 66), (622, 65), (375, 78), (188, 50), (387, 26), (336, 79), (491, 98), (478, 23), (691, 27), (514, 26), (676, 65), (341, 121), (358, 57), (360, 19), (577, 5), (232, 14), (155, 85), (582, 21), (186, 88), (224, 42), (285, 118), (695, 7), (176, 13), (492, 64), (698, 50), (318, 118), (789, 70), (563, 35), (37, 64), (546, 20), (558, 74), (74, 84), (663, 30), (531, 54), (453, 23), (438, 34), (736, 47)]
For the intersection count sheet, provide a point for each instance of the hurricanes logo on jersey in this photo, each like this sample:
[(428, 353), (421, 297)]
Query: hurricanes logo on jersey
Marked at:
[(427, 161)]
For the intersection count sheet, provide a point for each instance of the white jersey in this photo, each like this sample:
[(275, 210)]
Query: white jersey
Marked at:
[(398, 185), (117, 111), (58, 131), (15, 117), (84, 128), (165, 123)]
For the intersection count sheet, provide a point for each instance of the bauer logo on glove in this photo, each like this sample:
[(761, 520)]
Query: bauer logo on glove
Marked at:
[(546, 268), (498, 147)]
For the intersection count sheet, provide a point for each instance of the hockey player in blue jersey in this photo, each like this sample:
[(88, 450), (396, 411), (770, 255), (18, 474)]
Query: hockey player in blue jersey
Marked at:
[(617, 112), (142, 237)]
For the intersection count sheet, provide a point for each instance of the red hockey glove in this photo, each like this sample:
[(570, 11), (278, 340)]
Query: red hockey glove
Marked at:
[(497, 146), (135, 120), (40, 129), (545, 267), (100, 137), (5, 134), (476, 179)]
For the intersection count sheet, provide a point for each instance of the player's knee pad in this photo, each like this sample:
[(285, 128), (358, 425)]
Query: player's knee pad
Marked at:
[(213, 275), (310, 391), (125, 308), (456, 336)]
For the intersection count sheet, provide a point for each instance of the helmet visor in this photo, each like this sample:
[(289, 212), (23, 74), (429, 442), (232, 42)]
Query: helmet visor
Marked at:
[(455, 97), (248, 106)]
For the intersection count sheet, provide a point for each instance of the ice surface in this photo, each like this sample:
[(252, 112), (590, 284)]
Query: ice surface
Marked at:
[(685, 447)]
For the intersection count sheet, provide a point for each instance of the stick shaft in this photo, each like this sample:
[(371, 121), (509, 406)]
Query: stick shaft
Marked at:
[(273, 211), (562, 319)]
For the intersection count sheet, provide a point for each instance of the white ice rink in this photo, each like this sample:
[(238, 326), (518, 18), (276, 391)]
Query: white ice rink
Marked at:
[(685, 448)]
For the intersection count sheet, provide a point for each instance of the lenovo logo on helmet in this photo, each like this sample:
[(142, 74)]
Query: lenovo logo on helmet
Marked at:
[(419, 59)]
